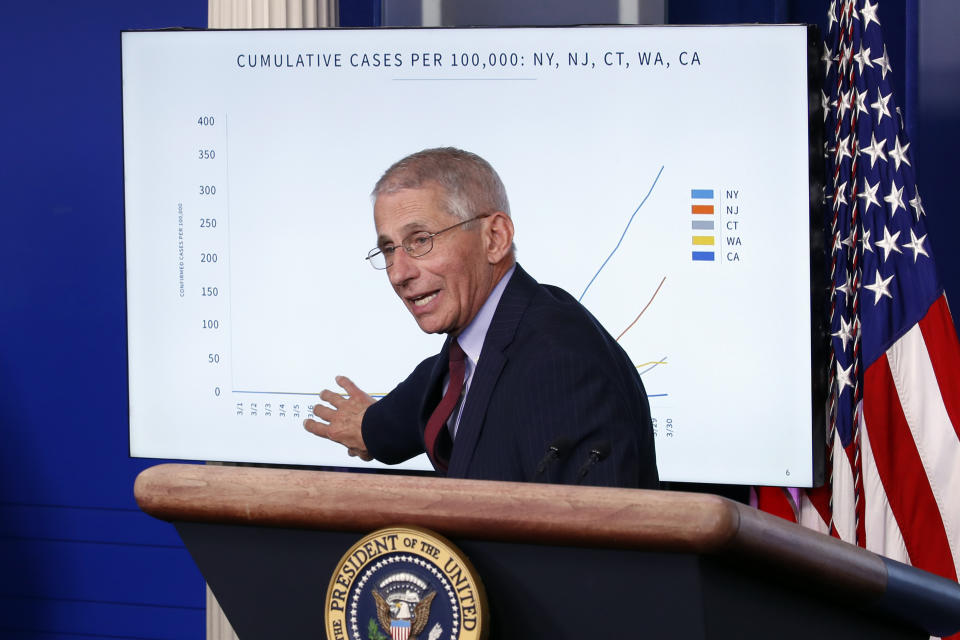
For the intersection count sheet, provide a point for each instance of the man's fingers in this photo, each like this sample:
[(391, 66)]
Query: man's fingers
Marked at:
[(324, 412), (340, 419), (348, 385), (333, 398), (317, 428)]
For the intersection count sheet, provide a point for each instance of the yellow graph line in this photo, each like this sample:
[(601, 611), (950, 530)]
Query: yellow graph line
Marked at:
[(644, 309), (647, 364), (375, 395)]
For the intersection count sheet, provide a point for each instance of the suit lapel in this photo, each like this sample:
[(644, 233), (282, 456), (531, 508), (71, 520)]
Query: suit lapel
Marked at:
[(503, 327)]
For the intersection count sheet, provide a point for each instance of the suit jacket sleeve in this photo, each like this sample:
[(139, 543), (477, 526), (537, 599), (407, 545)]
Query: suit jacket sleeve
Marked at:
[(391, 426)]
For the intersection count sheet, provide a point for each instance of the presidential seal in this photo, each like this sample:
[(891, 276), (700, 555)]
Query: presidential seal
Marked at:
[(405, 583)]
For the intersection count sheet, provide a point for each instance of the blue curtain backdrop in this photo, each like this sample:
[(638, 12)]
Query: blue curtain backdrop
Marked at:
[(77, 559)]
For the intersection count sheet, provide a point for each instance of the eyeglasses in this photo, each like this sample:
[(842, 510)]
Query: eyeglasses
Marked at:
[(416, 245)]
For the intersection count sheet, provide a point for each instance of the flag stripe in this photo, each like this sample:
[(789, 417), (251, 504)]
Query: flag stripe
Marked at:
[(896, 458), (944, 351), (883, 532), (776, 501), (844, 497), (815, 509), (934, 436)]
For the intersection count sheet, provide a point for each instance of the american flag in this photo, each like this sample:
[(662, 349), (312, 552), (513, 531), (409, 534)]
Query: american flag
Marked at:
[(894, 415)]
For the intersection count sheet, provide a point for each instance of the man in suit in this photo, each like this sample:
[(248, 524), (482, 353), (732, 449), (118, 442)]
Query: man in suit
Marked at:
[(528, 385)]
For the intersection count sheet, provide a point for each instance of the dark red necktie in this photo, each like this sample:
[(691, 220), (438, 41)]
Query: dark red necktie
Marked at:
[(436, 437)]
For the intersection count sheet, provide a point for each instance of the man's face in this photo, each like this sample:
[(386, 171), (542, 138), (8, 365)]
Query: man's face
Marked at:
[(445, 288)]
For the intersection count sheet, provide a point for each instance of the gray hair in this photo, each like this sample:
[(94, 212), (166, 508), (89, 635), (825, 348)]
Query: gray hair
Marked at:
[(470, 185)]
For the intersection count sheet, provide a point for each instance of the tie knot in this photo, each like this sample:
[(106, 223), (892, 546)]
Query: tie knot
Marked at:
[(456, 352)]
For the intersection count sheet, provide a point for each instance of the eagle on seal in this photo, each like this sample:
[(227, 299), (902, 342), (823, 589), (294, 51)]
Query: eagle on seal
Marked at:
[(401, 611)]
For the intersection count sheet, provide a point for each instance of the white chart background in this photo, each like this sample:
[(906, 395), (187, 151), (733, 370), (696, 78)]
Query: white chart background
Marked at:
[(724, 346)]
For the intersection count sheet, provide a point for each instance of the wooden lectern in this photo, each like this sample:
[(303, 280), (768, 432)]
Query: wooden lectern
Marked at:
[(557, 561)]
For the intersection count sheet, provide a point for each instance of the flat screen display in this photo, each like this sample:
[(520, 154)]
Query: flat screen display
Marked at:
[(659, 174)]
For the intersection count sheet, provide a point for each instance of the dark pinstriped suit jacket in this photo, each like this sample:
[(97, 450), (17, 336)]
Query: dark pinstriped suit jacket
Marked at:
[(547, 369)]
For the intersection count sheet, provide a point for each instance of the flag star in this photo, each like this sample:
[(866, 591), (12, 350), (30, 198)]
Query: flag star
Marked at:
[(880, 287), (837, 243), (881, 106), (875, 150), (898, 153), (846, 288), (861, 102), (843, 378), (848, 241), (842, 151), (862, 58), (895, 199), (869, 14), (825, 103), (844, 58), (826, 59), (831, 18), (884, 63), (869, 194), (917, 205), (843, 103), (888, 244), (866, 239), (840, 194), (844, 333), (916, 245)]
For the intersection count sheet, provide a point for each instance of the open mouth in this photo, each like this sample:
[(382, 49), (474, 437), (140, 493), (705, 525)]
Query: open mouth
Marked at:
[(424, 299)]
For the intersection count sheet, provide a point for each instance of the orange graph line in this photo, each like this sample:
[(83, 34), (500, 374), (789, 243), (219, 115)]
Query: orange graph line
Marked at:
[(644, 309)]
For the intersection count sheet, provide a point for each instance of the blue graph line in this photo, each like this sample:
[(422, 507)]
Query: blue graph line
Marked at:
[(656, 395), (580, 299)]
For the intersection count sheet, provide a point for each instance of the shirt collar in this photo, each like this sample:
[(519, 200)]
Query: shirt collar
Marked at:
[(471, 339)]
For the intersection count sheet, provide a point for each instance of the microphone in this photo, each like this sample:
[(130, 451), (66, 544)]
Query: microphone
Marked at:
[(599, 451), (558, 448)]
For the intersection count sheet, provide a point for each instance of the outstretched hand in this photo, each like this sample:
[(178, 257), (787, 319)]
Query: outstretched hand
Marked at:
[(341, 422)]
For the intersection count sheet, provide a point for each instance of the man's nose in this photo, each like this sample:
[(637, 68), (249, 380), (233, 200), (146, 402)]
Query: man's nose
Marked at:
[(403, 268)]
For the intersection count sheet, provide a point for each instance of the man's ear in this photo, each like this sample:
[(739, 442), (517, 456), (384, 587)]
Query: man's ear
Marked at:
[(498, 236)]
